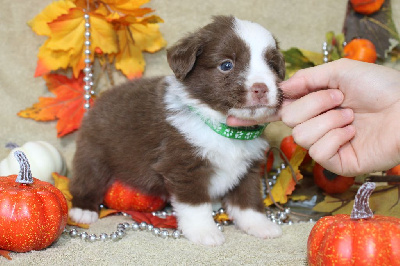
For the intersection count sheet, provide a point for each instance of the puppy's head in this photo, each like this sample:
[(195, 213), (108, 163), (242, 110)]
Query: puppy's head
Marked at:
[(233, 66)]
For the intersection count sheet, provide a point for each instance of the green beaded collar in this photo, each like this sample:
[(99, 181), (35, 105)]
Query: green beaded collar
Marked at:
[(241, 133)]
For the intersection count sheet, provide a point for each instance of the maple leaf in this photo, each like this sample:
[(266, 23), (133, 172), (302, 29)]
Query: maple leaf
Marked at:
[(285, 184), (66, 107), (128, 7), (39, 24), (65, 46), (62, 183), (149, 218), (383, 201), (137, 35), (130, 59)]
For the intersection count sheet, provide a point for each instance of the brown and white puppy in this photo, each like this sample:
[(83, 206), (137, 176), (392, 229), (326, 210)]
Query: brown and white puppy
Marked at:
[(146, 134)]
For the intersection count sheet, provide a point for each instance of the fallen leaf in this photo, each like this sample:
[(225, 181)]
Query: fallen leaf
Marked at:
[(285, 184), (149, 218), (5, 254), (384, 201), (62, 183), (66, 107)]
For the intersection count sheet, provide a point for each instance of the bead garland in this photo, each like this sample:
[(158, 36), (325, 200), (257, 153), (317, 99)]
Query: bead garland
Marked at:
[(88, 78), (325, 51), (280, 217)]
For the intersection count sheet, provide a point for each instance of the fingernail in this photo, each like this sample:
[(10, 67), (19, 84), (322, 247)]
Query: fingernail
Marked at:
[(347, 113), (337, 96)]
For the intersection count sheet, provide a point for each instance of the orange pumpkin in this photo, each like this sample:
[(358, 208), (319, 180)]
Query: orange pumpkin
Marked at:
[(330, 182), (366, 7), (124, 198), (33, 213), (357, 239), (288, 147), (394, 171), (361, 50)]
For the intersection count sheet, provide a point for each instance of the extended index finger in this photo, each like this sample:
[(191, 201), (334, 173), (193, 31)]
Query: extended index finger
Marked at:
[(313, 79)]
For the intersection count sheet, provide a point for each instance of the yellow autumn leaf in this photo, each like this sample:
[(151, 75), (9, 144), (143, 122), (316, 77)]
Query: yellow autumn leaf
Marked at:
[(316, 58), (49, 59), (127, 7), (39, 24), (384, 201), (147, 36), (285, 184), (62, 183), (65, 47), (129, 59)]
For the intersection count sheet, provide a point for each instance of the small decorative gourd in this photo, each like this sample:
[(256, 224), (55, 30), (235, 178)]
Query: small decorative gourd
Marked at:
[(43, 157), (357, 239), (121, 197), (33, 213)]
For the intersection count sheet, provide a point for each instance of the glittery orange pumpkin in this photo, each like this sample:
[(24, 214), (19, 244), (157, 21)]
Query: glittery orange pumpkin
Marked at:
[(124, 198), (357, 239), (32, 214)]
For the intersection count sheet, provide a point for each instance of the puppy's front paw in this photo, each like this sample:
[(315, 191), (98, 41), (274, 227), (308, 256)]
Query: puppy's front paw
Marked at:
[(255, 223), (197, 224), (83, 216), (208, 235)]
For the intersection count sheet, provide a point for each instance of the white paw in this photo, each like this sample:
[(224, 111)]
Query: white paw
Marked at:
[(197, 224), (83, 216), (208, 235), (254, 223)]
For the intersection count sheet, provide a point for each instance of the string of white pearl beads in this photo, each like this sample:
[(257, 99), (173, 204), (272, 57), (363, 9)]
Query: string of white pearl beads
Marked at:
[(88, 78), (325, 52)]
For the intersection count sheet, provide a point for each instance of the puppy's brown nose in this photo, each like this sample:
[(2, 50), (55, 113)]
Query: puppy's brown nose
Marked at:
[(259, 90)]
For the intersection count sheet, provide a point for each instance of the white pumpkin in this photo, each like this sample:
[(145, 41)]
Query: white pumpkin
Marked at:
[(43, 157)]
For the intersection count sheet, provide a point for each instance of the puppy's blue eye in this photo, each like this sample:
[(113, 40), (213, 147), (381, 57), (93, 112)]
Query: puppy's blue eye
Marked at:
[(226, 66)]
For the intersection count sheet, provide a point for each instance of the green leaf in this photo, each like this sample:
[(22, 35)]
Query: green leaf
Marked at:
[(295, 60)]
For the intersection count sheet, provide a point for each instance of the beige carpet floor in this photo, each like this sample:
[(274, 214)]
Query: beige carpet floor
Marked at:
[(295, 23)]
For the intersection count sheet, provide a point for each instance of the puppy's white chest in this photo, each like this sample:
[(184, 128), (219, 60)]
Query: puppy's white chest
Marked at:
[(230, 158), (232, 163)]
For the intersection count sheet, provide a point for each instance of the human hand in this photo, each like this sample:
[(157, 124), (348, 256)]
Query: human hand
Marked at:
[(346, 113)]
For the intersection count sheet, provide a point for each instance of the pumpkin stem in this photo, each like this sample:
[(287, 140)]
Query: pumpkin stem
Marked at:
[(25, 174), (361, 208)]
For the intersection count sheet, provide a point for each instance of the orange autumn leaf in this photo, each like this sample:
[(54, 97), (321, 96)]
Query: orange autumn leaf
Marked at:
[(66, 107), (62, 183), (5, 254), (167, 222), (285, 184)]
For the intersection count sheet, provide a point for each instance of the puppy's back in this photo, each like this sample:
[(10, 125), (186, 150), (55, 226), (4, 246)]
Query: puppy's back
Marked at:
[(120, 138)]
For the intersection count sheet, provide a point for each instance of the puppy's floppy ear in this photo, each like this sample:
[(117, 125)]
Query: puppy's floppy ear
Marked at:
[(281, 66), (279, 61), (182, 56)]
